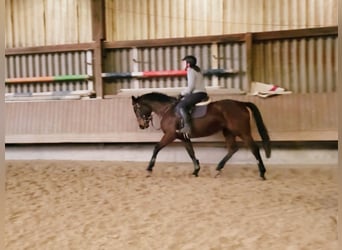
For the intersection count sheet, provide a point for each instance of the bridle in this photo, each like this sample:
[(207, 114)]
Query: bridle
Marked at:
[(147, 118)]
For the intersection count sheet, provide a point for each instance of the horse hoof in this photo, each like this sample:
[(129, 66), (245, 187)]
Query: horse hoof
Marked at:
[(263, 178), (149, 173), (218, 174)]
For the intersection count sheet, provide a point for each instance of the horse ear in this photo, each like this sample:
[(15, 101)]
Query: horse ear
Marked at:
[(134, 99)]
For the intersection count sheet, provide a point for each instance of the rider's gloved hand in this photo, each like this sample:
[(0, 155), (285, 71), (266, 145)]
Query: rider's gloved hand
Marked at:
[(180, 97)]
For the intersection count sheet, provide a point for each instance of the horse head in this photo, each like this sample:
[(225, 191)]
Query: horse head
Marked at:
[(155, 102), (142, 111)]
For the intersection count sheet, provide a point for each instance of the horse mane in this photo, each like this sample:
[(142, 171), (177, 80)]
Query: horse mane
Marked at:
[(159, 97)]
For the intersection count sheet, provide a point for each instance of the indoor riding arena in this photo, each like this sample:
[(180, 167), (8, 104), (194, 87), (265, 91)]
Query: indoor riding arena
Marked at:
[(76, 158)]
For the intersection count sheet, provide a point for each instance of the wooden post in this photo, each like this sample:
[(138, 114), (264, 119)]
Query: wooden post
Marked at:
[(90, 70), (249, 59), (135, 67), (214, 63), (99, 35)]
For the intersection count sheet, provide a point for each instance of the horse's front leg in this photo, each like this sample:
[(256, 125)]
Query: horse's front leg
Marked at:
[(166, 139), (156, 149), (189, 148)]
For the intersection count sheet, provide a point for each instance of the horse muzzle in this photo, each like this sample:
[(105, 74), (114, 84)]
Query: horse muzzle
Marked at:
[(144, 124)]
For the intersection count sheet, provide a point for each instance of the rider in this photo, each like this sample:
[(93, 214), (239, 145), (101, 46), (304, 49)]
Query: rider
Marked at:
[(194, 93)]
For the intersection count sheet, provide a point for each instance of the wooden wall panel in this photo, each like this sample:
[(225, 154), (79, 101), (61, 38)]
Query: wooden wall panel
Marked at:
[(297, 117), (51, 22), (47, 22), (302, 65), (153, 19)]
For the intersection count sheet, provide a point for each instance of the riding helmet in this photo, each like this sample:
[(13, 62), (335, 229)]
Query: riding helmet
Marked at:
[(191, 60)]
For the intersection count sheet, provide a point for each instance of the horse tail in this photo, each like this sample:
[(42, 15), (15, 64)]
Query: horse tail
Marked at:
[(261, 128)]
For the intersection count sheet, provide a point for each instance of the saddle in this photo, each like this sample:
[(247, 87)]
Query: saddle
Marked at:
[(200, 109), (197, 111)]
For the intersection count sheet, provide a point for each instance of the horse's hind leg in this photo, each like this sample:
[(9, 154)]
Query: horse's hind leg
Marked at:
[(232, 148), (189, 148), (256, 152)]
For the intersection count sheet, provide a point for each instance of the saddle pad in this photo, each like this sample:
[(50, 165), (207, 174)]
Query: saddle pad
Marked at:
[(199, 111)]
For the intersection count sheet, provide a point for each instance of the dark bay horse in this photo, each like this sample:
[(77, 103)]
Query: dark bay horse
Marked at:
[(229, 116)]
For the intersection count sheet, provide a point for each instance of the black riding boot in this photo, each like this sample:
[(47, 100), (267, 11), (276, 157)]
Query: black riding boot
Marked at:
[(186, 121)]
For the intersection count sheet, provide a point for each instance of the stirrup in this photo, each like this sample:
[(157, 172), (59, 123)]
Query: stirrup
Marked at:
[(185, 130), (186, 135)]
